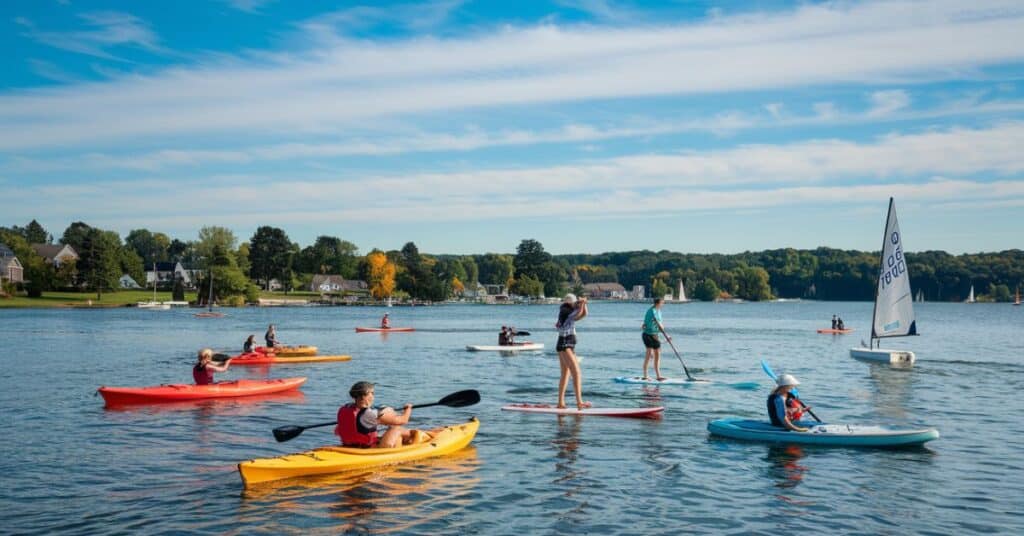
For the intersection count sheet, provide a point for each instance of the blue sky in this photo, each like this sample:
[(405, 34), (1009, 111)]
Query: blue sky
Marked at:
[(590, 125)]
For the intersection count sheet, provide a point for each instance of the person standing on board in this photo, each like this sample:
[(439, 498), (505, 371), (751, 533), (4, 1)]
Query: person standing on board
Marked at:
[(834, 323), (783, 408), (652, 327), (385, 322), (204, 368), (571, 311), (271, 338), (840, 325), (358, 421)]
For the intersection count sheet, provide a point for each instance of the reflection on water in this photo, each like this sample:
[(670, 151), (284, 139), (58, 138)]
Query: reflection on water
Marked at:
[(784, 465), (892, 390), (424, 497)]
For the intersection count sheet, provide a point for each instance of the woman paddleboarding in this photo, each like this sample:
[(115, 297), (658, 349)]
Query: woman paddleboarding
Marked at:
[(571, 311)]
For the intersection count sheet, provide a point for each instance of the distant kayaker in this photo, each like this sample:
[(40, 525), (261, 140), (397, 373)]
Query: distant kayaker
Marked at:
[(503, 336), (652, 327), (271, 337), (839, 324), (834, 323), (204, 368), (510, 338), (250, 345), (385, 322), (784, 409), (358, 421), (571, 311)]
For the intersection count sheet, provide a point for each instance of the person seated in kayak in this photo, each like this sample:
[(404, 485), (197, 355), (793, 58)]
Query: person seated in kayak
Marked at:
[(358, 421), (204, 368), (271, 338), (250, 345), (503, 336), (385, 322), (834, 323), (839, 324), (779, 409), (510, 338)]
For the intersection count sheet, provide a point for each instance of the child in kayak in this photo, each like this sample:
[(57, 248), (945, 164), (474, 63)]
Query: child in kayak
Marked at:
[(271, 337), (570, 312), (250, 345), (358, 421), (784, 409), (385, 322), (204, 368)]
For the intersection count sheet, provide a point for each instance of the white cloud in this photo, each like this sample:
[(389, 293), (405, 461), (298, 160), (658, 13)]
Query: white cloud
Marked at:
[(884, 103), (346, 82), (249, 6), (110, 29)]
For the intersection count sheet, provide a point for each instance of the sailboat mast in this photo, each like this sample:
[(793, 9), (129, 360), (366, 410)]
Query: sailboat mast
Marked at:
[(209, 300), (881, 265), (154, 281)]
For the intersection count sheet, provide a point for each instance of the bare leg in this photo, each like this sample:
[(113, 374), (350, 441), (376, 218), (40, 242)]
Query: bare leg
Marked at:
[(647, 359), (563, 382), (657, 364), (577, 378), (394, 437)]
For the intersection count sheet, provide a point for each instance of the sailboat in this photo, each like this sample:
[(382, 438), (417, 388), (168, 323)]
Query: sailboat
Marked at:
[(681, 294), (209, 303), (153, 305), (920, 296), (970, 297), (1016, 300), (893, 315)]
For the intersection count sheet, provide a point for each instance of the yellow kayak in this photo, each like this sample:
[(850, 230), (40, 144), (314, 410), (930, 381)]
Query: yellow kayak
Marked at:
[(327, 460), (271, 359), (288, 351)]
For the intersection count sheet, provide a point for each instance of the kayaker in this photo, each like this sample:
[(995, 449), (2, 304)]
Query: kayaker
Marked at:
[(652, 327), (385, 322), (781, 405), (503, 336), (571, 311), (358, 421), (204, 368), (834, 323), (271, 337), (250, 345), (510, 339)]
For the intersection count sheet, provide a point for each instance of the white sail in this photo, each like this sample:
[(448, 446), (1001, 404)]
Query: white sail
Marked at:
[(970, 297), (920, 296), (681, 295), (894, 305)]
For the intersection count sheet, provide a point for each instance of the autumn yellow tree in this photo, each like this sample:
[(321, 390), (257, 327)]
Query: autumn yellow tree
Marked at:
[(382, 275), (457, 286)]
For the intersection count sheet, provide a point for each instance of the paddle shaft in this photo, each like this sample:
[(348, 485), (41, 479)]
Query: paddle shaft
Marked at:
[(679, 357), (332, 423)]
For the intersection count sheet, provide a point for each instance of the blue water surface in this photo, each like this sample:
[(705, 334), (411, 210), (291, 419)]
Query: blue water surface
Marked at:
[(71, 466)]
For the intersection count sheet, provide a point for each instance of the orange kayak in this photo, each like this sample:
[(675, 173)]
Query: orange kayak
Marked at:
[(840, 331), (384, 330), (179, 392), (271, 359)]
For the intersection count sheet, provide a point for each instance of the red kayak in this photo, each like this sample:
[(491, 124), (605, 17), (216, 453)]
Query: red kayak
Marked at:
[(179, 392), (384, 330), (840, 331)]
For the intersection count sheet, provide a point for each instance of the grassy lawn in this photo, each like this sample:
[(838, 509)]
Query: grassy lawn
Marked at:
[(82, 299)]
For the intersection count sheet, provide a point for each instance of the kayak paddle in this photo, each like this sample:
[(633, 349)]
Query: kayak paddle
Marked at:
[(771, 374), (454, 400), (522, 333), (679, 357)]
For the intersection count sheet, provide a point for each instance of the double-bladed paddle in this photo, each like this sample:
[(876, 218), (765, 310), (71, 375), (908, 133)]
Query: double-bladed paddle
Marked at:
[(771, 374), (679, 357), (454, 400)]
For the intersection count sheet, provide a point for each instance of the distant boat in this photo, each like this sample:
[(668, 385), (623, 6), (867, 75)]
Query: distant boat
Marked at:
[(893, 314), (970, 297), (209, 301), (1016, 301), (920, 296), (681, 294), (153, 305)]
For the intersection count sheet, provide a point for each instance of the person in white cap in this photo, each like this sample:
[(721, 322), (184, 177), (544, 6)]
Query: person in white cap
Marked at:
[(784, 409), (571, 311)]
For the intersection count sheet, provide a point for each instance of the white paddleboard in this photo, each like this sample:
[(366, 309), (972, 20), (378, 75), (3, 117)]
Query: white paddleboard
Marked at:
[(643, 413), (514, 348), (652, 381)]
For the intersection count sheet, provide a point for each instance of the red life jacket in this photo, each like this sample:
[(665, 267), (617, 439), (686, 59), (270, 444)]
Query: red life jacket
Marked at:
[(794, 409), (348, 428), (202, 376)]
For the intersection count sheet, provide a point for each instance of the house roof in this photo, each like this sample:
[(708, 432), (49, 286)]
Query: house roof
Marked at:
[(7, 261), (50, 251), (320, 279), (164, 267), (604, 287), (5, 251)]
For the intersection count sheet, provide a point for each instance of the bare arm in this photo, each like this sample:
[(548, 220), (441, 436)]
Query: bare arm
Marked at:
[(582, 313), (219, 368), (390, 418), (790, 426)]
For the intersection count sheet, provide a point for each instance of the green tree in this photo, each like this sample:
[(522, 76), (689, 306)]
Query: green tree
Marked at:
[(706, 290), (530, 258), (527, 286), (75, 235), (553, 276), (35, 234), (658, 288), (330, 255), (130, 263), (211, 238), (180, 251), (270, 253), (753, 283), (38, 275), (99, 261), (472, 270), (495, 269), (151, 247)]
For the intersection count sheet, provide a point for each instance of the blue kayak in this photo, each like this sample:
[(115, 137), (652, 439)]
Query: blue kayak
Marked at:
[(840, 435)]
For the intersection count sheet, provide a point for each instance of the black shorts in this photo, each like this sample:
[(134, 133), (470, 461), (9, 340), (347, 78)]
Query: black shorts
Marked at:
[(651, 341), (565, 342)]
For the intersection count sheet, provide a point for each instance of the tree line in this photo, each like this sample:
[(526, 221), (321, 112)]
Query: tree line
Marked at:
[(240, 269)]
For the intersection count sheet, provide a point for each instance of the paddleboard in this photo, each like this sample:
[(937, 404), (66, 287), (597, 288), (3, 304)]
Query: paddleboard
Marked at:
[(835, 331), (641, 413), (840, 435), (384, 330), (519, 347), (666, 381)]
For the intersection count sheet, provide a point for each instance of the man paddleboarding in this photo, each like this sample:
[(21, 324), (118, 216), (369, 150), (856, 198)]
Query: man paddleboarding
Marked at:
[(652, 327)]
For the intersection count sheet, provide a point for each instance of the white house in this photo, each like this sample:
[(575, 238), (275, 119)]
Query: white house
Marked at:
[(167, 272), (612, 291), (327, 283), (10, 267)]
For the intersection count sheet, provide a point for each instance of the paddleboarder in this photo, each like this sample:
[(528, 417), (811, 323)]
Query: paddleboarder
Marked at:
[(358, 421), (840, 325), (385, 322), (652, 326), (783, 408), (571, 311), (834, 323), (204, 368)]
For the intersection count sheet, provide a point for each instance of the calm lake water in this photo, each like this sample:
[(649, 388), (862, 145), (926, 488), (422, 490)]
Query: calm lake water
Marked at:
[(73, 467)]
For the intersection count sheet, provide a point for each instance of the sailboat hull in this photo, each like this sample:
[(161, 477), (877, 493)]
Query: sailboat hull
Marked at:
[(881, 355)]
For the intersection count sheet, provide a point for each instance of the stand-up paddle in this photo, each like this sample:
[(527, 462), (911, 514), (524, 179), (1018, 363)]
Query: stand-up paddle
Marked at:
[(679, 357), (454, 400), (771, 374)]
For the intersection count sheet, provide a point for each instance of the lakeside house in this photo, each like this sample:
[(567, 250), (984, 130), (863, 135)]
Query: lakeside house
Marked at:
[(336, 284), (56, 254), (606, 291), (10, 267), (167, 272), (127, 282)]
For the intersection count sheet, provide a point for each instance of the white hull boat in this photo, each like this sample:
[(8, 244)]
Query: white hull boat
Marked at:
[(881, 355), (152, 305), (524, 347)]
